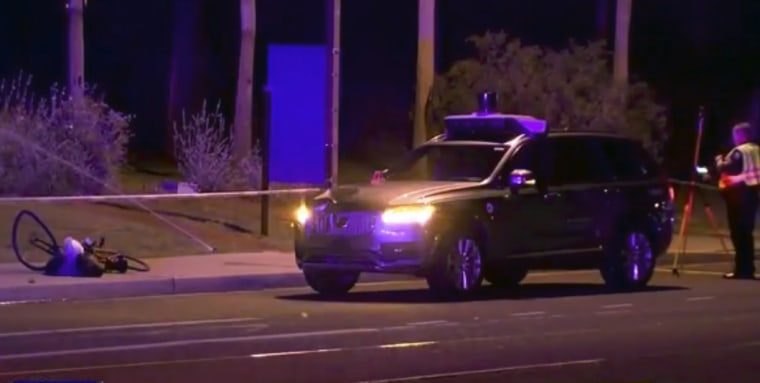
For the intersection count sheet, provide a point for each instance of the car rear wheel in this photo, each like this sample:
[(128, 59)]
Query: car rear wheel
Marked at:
[(508, 277), (458, 268), (630, 262), (330, 282)]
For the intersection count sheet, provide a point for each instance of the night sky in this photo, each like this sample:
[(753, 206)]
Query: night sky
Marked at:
[(692, 51)]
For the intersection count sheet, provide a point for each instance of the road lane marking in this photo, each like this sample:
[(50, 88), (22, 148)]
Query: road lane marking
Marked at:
[(125, 327), (697, 299), (221, 358), (612, 312), (189, 342), (295, 353), (428, 323), (488, 371), (694, 272), (617, 306), (216, 359), (529, 313)]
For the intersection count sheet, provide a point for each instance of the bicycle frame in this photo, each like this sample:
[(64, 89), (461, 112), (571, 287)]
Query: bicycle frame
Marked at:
[(52, 250)]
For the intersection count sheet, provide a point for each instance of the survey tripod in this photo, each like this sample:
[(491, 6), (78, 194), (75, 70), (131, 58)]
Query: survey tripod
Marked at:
[(694, 190)]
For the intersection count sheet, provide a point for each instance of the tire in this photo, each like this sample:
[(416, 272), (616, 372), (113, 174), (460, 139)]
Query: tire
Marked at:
[(42, 234), (630, 261), (509, 277), (329, 282), (457, 269), (136, 264)]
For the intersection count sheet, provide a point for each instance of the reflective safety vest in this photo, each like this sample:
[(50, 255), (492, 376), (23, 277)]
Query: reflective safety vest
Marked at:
[(750, 174)]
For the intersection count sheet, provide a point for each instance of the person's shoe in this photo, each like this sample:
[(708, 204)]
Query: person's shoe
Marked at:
[(738, 276)]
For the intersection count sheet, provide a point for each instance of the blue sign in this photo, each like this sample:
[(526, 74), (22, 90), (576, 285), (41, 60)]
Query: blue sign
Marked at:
[(298, 85)]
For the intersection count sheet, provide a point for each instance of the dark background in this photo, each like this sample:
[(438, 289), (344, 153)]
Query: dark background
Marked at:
[(155, 57)]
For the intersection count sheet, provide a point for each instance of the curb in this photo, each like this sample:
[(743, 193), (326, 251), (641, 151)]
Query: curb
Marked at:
[(102, 288), (689, 257)]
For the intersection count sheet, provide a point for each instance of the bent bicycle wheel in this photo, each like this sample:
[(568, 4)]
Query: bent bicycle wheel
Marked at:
[(33, 243), (136, 264)]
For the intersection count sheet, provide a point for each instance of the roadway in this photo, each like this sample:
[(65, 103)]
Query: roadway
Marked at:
[(556, 328)]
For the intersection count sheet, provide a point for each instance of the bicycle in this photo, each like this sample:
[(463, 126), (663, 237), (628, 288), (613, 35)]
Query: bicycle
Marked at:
[(106, 257)]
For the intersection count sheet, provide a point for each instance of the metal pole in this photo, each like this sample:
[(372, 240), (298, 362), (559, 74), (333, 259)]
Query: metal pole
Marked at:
[(333, 86), (265, 131)]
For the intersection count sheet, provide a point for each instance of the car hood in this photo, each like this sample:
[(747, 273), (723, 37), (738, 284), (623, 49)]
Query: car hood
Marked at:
[(392, 193)]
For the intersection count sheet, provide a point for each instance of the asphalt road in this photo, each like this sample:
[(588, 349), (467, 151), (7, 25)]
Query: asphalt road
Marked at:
[(556, 328)]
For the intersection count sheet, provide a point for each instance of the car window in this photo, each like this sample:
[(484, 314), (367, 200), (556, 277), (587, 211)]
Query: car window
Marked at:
[(577, 160), (629, 160), (527, 156), (449, 163)]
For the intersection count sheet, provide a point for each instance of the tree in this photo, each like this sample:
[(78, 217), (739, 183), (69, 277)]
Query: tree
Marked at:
[(242, 125), (76, 47), (571, 88), (622, 31), (425, 66)]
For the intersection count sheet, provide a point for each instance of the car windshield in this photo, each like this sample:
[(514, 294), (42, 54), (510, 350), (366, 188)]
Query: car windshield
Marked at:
[(448, 163)]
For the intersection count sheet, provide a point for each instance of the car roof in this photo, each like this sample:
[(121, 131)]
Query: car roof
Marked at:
[(590, 134)]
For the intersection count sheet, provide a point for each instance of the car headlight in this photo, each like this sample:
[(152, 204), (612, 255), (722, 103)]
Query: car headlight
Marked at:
[(408, 214), (302, 214)]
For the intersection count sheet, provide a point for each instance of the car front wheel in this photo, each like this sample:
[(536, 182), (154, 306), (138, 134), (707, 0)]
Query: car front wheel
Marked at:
[(630, 262), (330, 282), (458, 267)]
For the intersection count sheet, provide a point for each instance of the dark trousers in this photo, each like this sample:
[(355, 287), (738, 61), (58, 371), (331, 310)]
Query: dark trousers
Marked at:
[(741, 206)]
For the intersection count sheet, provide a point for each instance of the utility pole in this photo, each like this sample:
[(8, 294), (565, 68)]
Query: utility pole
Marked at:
[(75, 10), (333, 90), (622, 33), (425, 67)]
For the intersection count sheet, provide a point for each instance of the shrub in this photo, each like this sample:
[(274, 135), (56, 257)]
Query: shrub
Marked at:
[(57, 146), (203, 150), (571, 88)]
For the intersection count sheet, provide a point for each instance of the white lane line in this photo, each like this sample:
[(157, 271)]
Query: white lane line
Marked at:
[(295, 353), (180, 343), (125, 327), (617, 306), (489, 371), (697, 299), (612, 312), (218, 358), (428, 323), (694, 272), (529, 313)]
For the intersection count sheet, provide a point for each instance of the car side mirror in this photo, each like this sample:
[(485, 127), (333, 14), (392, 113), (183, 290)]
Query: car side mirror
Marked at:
[(520, 179)]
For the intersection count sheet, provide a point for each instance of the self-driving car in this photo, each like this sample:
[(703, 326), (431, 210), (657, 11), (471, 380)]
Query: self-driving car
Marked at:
[(492, 198)]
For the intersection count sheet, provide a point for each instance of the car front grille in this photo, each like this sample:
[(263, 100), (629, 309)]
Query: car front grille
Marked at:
[(351, 223)]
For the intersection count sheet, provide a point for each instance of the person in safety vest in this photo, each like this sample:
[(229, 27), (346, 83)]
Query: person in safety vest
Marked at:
[(738, 183)]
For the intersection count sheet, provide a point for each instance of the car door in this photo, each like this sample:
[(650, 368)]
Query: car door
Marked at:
[(580, 177), (529, 220)]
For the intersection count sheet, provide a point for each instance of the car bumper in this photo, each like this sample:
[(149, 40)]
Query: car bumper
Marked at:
[(403, 249)]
